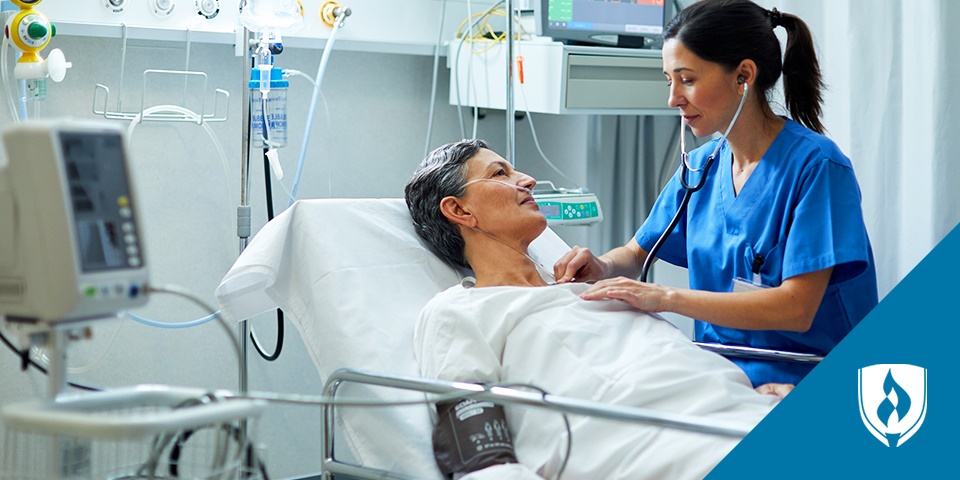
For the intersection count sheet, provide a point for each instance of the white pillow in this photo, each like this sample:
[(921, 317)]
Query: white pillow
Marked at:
[(352, 275)]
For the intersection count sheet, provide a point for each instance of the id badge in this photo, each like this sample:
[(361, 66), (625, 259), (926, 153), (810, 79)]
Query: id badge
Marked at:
[(744, 285)]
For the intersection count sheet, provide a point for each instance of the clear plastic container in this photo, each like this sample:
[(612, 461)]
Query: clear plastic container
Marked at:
[(276, 109)]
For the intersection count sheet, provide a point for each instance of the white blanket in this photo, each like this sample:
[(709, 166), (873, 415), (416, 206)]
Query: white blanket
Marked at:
[(352, 276), (597, 350)]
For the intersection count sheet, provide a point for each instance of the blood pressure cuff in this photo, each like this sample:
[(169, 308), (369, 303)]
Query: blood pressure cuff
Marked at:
[(471, 435)]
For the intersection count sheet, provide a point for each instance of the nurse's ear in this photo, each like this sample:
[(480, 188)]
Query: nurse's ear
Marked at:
[(746, 74), (456, 212)]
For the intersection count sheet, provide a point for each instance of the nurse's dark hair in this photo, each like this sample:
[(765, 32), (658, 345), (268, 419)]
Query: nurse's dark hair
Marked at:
[(442, 174), (730, 31)]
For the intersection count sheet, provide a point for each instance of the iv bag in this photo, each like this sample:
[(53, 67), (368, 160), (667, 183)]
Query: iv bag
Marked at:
[(274, 16)]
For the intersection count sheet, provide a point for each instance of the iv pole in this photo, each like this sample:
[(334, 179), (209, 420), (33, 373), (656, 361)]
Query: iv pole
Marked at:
[(243, 211), (511, 111)]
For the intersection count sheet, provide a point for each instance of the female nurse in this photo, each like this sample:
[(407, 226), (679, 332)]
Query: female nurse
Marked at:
[(774, 242)]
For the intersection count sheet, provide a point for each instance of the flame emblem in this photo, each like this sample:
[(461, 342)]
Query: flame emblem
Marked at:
[(893, 401)]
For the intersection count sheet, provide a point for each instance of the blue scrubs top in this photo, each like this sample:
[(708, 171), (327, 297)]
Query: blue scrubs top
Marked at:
[(800, 210)]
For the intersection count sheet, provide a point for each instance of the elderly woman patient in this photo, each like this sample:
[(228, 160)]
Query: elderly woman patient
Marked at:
[(514, 327)]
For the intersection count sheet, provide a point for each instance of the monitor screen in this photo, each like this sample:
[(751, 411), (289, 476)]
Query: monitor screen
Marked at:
[(624, 23), (100, 197)]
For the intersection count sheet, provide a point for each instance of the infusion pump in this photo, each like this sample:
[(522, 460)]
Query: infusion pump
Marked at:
[(569, 208), (70, 237)]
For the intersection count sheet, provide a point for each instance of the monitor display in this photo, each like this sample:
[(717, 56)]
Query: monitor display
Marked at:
[(621, 23), (100, 197)]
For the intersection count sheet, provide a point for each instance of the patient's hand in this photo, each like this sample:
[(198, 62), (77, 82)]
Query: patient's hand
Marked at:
[(777, 389)]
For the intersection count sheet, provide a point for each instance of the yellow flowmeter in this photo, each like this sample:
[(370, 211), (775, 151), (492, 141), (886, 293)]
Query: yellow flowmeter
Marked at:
[(31, 31)]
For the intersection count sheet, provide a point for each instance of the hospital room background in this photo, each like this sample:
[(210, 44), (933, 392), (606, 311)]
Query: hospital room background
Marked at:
[(889, 65)]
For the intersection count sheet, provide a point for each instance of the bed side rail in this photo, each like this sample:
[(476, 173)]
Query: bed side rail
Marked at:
[(759, 353), (503, 396)]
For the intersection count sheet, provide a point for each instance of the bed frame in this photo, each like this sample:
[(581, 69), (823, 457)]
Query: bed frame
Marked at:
[(499, 395), (509, 396)]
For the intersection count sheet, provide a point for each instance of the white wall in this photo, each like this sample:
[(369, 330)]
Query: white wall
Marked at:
[(375, 137)]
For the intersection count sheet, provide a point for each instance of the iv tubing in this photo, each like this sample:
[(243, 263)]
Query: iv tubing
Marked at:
[(433, 87), (223, 158), (192, 116), (171, 325), (338, 24), (4, 72)]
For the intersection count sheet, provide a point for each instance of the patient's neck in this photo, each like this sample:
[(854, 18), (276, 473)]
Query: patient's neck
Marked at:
[(496, 265)]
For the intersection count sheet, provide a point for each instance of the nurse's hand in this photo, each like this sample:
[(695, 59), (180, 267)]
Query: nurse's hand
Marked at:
[(648, 297), (579, 265), (776, 389)]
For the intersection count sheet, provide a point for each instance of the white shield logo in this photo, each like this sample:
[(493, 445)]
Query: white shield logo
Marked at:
[(893, 401)]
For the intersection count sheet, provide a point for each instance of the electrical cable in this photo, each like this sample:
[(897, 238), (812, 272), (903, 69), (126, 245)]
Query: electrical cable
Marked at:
[(536, 141), (39, 352), (173, 459), (26, 361), (433, 84), (456, 66)]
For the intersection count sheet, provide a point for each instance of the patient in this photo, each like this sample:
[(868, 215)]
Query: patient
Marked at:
[(514, 327)]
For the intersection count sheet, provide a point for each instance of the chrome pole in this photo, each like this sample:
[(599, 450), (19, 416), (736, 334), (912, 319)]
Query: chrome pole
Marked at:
[(511, 124), (243, 211)]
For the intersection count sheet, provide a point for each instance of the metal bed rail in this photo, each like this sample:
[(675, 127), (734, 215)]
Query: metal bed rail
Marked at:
[(503, 396), (759, 353)]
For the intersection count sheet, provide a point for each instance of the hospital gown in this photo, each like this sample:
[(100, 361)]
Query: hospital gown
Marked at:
[(596, 350)]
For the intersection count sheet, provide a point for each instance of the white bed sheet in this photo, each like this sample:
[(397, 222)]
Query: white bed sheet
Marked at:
[(352, 276), (603, 351)]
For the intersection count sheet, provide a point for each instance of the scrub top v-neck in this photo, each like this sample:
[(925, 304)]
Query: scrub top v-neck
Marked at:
[(799, 210)]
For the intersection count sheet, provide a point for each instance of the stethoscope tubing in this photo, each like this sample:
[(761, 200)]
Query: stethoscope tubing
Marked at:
[(689, 189)]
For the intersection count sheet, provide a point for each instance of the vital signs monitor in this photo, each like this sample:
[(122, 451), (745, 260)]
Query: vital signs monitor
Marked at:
[(70, 238)]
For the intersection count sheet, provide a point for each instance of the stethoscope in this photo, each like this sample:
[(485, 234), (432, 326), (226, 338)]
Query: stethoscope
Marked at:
[(689, 189)]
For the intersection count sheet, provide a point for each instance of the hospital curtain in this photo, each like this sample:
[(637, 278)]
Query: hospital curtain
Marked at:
[(891, 68), (629, 160)]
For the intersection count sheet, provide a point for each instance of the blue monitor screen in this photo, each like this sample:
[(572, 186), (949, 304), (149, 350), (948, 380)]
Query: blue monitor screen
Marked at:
[(611, 22)]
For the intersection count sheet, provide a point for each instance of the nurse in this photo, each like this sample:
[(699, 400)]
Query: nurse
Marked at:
[(775, 245)]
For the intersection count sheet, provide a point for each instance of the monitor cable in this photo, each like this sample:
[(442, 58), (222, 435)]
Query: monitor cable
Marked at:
[(26, 361)]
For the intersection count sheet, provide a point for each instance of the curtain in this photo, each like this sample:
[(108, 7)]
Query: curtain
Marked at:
[(889, 66), (629, 160)]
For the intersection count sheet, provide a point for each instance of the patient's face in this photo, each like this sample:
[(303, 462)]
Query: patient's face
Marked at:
[(501, 209)]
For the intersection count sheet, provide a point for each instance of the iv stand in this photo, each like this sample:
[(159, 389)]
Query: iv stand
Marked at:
[(243, 211), (511, 111)]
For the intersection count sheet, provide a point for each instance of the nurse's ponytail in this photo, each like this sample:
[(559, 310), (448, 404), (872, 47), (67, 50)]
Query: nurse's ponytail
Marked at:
[(802, 82), (730, 31)]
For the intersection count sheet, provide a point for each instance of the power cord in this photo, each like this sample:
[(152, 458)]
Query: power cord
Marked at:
[(26, 361)]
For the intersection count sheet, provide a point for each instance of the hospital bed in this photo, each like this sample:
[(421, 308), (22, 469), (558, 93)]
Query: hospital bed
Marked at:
[(352, 276)]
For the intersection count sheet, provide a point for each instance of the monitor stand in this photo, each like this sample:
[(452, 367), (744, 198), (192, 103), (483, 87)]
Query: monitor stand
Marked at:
[(627, 41)]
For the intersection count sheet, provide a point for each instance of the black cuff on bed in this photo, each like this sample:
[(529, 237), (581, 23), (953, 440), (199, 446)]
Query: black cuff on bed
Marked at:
[(471, 435)]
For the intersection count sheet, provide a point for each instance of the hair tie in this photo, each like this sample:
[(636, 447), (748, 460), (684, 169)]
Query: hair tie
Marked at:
[(775, 17)]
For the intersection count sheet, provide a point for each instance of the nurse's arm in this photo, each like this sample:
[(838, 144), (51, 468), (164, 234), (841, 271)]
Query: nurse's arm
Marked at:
[(580, 265), (791, 306)]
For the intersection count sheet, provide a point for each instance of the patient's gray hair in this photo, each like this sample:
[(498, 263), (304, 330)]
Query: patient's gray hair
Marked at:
[(441, 174)]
